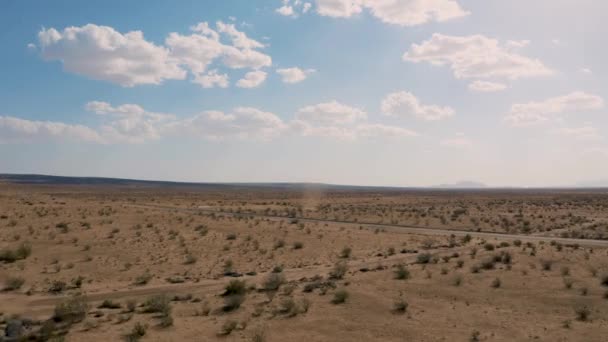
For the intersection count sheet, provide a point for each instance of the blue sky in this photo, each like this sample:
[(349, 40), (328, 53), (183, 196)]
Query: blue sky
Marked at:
[(386, 92)]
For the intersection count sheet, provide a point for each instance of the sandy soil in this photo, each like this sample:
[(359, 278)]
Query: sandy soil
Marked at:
[(115, 245)]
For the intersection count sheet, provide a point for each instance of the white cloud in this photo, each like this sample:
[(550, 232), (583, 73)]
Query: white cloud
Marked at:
[(294, 75), (211, 79), (339, 8), (582, 133), (252, 79), (241, 123), (129, 122), (239, 39), (330, 113), (15, 130), (525, 114), (486, 87), (336, 120), (286, 11), (397, 12), (476, 56), (406, 104), (101, 53)]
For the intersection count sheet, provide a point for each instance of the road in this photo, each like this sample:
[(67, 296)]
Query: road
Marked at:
[(410, 229)]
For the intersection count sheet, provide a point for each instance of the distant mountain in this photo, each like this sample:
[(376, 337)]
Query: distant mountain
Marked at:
[(462, 185), (593, 184)]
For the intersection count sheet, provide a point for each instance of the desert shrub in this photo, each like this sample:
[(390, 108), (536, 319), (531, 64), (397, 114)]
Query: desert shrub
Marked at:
[(138, 331), (109, 304), (423, 258), (233, 302), (605, 294), (298, 245), (517, 243), (22, 252), (402, 273), (488, 247), (231, 236), (604, 279), (488, 263), (567, 283), (474, 336), (340, 296), (583, 291), (496, 283), (158, 304), (143, 279), (565, 271), (273, 282), (400, 306), (459, 263), (228, 327), (457, 280), (345, 253), (279, 244), (190, 259), (504, 244), (166, 321), (339, 271), (546, 265), (391, 251), (467, 238), (13, 283), (57, 286), (71, 311), (235, 287), (259, 335), (582, 313), (131, 305)]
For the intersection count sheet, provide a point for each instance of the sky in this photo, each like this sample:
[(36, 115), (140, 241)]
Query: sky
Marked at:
[(360, 92)]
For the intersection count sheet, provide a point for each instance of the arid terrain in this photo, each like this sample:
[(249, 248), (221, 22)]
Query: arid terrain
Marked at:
[(302, 263)]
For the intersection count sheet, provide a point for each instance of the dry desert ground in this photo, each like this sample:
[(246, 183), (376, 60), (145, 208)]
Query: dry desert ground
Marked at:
[(246, 263)]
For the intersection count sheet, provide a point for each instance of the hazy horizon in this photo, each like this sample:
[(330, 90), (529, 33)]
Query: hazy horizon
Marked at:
[(355, 92)]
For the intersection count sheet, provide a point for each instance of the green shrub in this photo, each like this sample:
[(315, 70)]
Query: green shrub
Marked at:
[(423, 258), (71, 311), (339, 271), (340, 296), (402, 273), (13, 283)]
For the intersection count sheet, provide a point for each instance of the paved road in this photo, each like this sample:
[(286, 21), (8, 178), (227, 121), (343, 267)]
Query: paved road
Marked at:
[(412, 229)]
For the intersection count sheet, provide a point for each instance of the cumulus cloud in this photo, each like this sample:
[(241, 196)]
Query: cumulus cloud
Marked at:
[(337, 120), (292, 8), (294, 75), (129, 122), (211, 79), (100, 52), (241, 123), (252, 79), (486, 87), (15, 130), (525, 114), (330, 113), (397, 12), (477, 56), (405, 104)]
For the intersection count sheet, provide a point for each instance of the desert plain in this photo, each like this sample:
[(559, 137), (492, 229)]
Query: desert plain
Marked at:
[(301, 263)]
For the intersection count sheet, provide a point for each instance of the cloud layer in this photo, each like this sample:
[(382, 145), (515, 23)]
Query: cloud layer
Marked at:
[(102, 53), (531, 113), (397, 12), (477, 57)]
